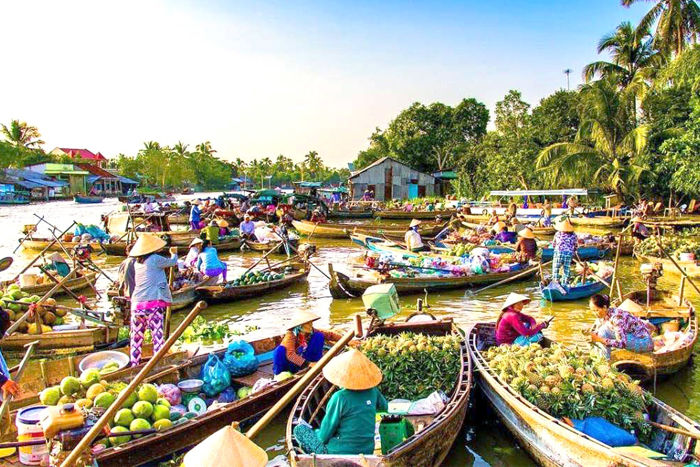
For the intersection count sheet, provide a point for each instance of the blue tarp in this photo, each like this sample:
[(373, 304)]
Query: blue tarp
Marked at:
[(126, 181)]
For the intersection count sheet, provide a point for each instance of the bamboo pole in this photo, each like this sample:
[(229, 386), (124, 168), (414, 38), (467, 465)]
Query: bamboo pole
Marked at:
[(510, 279), (299, 386), (615, 264), (41, 253), (124, 395), (68, 291), (264, 257), (23, 364), (673, 429), (29, 234), (169, 309)]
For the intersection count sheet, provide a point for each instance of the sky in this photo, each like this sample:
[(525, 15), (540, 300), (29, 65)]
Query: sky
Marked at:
[(263, 78)]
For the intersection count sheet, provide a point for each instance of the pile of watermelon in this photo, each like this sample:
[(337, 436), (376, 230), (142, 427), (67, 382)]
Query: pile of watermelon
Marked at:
[(255, 277)]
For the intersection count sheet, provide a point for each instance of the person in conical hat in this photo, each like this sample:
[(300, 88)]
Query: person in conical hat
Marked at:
[(194, 251), (503, 235), (151, 293), (301, 344), (526, 245), (413, 240), (223, 228), (348, 425), (227, 447), (640, 232), (58, 263), (619, 328), (515, 327), (565, 244)]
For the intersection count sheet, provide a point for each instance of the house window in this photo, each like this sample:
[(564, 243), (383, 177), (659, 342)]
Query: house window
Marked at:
[(421, 191)]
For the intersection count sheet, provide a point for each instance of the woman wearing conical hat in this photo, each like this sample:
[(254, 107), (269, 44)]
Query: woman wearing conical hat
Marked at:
[(564, 245), (640, 232), (151, 294), (412, 237), (515, 327), (620, 327), (301, 344), (526, 246), (349, 422)]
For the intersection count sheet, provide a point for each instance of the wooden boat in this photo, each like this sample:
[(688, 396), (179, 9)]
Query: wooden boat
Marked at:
[(584, 252), (115, 248), (76, 283), (221, 293), (434, 434), (182, 298), (77, 341), (443, 248), (576, 292), (354, 285), (380, 245), (400, 214), (550, 441), (691, 268), (344, 230), (265, 247), (536, 229), (350, 214), (664, 361), (88, 199), (671, 223), (599, 221), (179, 219)]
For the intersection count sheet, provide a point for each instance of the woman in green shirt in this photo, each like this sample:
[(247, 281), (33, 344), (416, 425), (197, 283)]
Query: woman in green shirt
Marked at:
[(349, 424)]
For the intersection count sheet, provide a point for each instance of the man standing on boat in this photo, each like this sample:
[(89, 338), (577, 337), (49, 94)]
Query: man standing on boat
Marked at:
[(195, 215), (564, 245)]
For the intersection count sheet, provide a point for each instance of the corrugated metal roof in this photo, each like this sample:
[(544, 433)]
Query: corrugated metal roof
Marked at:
[(28, 184), (127, 181)]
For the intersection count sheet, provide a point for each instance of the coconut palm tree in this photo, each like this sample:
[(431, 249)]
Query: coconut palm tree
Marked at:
[(608, 147), (20, 134), (678, 22), (633, 56)]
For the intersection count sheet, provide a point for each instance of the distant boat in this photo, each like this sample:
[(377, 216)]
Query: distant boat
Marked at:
[(13, 198), (88, 199)]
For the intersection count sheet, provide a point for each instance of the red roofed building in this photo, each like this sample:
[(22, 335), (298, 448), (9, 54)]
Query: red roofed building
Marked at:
[(82, 154)]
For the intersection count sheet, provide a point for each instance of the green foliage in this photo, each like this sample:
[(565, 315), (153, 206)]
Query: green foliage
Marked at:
[(681, 157)]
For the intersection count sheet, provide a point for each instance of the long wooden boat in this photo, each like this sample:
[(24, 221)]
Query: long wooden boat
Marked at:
[(536, 229), (380, 245), (576, 292), (88, 199), (666, 360), (267, 246), (119, 248), (671, 223), (350, 214), (553, 443), (76, 341), (399, 214), (76, 283), (312, 229), (691, 268), (599, 221), (230, 293), (354, 285), (179, 219), (39, 243), (434, 435), (584, 252), (182, 298)]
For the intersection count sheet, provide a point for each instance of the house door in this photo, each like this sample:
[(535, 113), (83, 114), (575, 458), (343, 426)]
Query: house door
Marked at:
[(412, 191), (421, 191), (388, 183)]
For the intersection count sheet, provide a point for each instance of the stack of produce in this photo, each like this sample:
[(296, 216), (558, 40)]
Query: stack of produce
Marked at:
[(601, 269), (205, 332), (673, 245), (254, 277), (47, 319), (462, 249), (144, 409), (86, 391), (691, 232), (415, 365), (571, 383)]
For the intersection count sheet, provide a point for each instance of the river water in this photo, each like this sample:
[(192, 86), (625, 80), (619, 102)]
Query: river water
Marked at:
[(483, 441)]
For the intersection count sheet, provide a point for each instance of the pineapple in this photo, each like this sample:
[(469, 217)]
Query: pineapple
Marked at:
[(587, 388), (534, 378), (553, 380), (602, 370), (608, 383), (545, 389)]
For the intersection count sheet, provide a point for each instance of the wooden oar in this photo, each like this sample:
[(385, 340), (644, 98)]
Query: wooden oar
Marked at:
[(62, 285), (169, 309), (23, 364), (29, 234), (299, 386), (673, 429), (41, 253), (124, 395), (264, 257), (510, 279)]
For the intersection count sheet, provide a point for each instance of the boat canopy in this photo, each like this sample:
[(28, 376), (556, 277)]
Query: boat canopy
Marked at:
[(569, 192)]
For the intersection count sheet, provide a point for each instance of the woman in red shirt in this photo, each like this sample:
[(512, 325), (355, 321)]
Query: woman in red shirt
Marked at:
[(515, 327)]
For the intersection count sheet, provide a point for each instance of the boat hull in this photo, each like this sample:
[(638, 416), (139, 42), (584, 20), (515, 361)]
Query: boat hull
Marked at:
[(691, 268), (584, 252), (74, 284), (414, 215), (88, 199), (220, 294), (78, 341), (573, 293)]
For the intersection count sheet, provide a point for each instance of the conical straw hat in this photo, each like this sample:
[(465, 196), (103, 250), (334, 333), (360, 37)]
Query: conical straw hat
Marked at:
[(636, 219), (302, 317), (222, 223), (226, 448), (147, 243), (514, 298), (526, 233), (196, 241), (415, 222), (631, 306), (564, 226), (352, 370), (499, 226)]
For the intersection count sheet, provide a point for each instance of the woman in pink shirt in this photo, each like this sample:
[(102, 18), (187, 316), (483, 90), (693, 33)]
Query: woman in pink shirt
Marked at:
[(515, 327)]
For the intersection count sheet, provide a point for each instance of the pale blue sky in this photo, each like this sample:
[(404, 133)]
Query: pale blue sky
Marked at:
[(279, 77)]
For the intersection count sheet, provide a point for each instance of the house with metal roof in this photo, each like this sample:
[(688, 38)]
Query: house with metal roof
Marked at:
[(74, 176), (389, 179), (82, 155), (38, 185)]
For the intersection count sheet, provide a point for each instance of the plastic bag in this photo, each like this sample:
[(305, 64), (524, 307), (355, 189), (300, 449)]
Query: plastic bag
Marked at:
[(229, 395), (215, 375), (432, 404), (97, 232), (605, 432), (240, 359)]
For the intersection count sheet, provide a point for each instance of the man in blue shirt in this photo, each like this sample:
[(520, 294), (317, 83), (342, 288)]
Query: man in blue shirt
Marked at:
[(195, 215), (247, 227)]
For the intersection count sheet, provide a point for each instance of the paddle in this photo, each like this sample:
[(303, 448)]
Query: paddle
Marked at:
[(41, 253), (125, 393), (510, 279), (27, 355), (29, 234), (310, 262), (300, 385)]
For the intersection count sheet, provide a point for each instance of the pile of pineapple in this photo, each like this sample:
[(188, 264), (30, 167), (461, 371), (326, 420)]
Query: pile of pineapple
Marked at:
[(571, 382)]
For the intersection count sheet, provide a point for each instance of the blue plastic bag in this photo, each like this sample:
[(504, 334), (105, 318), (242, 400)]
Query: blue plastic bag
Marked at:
[(605, 432), (229, 395), (215, 375), (97, 233), (241, 365)]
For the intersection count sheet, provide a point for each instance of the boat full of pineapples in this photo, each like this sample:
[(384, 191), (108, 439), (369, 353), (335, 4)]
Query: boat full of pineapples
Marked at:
[(569, 406)]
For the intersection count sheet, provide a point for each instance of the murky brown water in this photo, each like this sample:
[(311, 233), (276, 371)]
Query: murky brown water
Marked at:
[(482, 442)]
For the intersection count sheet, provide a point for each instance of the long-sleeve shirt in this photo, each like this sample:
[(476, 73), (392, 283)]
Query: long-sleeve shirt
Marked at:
[(126, 277), (413, 240), (290, 344), (527, 246), (195, 214), (565, 242), (209, 259), (505, 237), (641, 229), (247, 227), (514, 324), (191, 258), (623, 324), (150, 281), (348, 426)]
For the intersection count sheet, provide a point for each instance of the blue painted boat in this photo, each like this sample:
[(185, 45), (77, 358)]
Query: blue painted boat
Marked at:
[(552, 293), (584, 252), (88, 199)]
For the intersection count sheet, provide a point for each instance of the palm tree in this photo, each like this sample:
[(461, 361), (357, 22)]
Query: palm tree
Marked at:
[(678, 22), (181, 149), (633, 56), (205, 149), (20, 134), (608, 147), (151, 146)]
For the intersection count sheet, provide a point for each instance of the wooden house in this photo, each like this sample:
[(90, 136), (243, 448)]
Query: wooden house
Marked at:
[(391, 179)]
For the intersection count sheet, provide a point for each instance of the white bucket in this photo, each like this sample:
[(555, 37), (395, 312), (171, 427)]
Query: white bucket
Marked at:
[(28, 429), (28, 279), (687, 256)]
